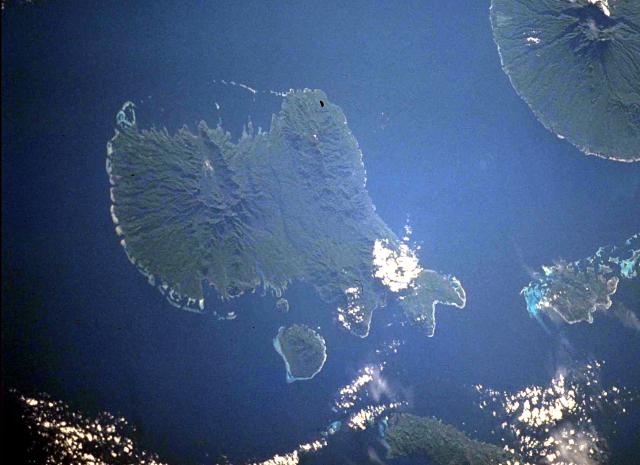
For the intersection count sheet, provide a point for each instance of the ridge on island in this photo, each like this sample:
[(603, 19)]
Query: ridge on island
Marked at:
[(303, 350), (196, 209)]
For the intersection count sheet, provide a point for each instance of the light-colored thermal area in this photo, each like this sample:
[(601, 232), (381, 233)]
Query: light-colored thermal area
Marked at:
[(603, 5)]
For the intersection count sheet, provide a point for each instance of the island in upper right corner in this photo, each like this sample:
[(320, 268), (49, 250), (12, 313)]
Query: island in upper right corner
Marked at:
[(577, 65), (574, 291)]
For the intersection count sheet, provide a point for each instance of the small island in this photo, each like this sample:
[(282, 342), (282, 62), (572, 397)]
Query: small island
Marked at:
[(574, 291), (282, 305), (303, 350)]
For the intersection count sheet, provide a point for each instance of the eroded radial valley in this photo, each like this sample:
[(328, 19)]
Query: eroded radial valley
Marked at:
[(576, 63)]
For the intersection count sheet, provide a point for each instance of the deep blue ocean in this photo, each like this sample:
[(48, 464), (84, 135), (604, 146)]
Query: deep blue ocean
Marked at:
[(448, 146)]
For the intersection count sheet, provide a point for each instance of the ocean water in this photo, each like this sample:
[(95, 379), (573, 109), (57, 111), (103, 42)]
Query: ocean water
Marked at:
[(448, 147)]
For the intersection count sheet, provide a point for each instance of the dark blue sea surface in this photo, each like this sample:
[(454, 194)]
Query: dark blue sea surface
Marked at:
[(448, 145)]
